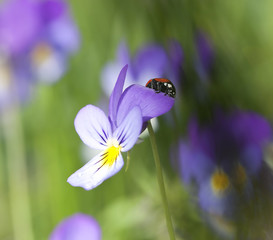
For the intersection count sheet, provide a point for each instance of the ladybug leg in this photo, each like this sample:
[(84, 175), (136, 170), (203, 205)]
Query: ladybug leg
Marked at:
[(167, 92)]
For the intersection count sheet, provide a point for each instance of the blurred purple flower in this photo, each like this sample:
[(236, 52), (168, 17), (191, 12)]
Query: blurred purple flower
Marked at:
[(150, 61), (77, 227), (26, 24), (205, 55), (118, 133), (57, 40), (36, 38), (20, 25), (222, 156)]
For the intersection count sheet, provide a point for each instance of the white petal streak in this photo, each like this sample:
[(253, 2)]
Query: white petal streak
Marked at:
[(128, 131), (93, 127), (94, 172)]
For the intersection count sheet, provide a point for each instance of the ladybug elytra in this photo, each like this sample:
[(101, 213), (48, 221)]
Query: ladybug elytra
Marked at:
[(162, 85)]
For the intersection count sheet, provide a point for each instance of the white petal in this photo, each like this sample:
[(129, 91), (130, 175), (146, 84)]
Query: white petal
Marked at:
[(94, 172), (93, 127)]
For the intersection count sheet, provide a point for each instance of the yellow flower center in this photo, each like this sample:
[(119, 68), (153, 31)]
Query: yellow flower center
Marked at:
[(41, 53), (219, 181), (110, 155)]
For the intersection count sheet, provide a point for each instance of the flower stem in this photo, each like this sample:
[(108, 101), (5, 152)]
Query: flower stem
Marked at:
[(161, 182), (17, 174)]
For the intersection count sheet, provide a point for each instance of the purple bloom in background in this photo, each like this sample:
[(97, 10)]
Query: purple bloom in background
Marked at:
[(36, 38), (118, 133), (150, 61), (58, 40), (20, 25), (205, 55), (223, 156), (77, 227)]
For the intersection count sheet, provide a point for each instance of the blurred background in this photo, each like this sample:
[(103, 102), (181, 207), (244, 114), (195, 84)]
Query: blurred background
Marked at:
[(215, 144)]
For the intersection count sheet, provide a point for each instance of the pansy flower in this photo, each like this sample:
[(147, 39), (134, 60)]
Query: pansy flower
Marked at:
[(77, 227), (19, 27), (118, 132), (58, 40), (36, 39), (223, 157)]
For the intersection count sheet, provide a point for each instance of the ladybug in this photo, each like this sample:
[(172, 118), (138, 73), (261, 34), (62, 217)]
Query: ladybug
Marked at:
[(162, 85)]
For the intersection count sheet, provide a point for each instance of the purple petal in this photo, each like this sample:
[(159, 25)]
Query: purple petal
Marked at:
[(116, 94), (252, 158), (95, 172), (77, 227), (223, 205), (128, 131), (93, 127), (150, 61), (186, 159), (194, 164), (239, 136), (52, 9), (202, 138), (152, 104), (64, 35), (250, 128), (19, 25)]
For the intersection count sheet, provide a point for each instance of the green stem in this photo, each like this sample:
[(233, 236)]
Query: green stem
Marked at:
[(161, 182), (17, 174)]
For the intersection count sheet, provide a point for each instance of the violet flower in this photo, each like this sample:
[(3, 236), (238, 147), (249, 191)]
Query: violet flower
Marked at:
[(77, 227), (118, 133), (36, 39), (223, 157), (58, 40), (150, 61), (18, 29)]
